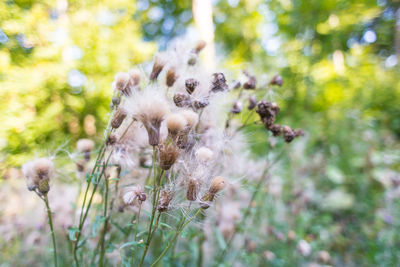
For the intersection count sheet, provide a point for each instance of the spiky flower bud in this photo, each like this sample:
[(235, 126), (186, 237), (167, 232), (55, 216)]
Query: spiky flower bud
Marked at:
[(288, 134), (237, 107), (182, 100), (171, 77), (168, 155), (85, 146), (276, 80), (191, 85), (121, 83), (252, 102), (118, 118), (165, 198), (218, 83), (158, 66), (175, 123), (44, 186)]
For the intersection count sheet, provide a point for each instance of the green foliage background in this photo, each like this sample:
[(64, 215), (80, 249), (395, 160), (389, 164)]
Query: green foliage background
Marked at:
[(337, 86)]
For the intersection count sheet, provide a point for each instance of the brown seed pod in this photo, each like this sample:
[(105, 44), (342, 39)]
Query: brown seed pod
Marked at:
[(288, 134), (157, 68), (118, 118), (199, 104), (218, 83), (165, 199), (237, 107), (182, 100), (276, 130), (250, 83), (171, 77), (199, 46), (252, 102), (168, 155), (192, 190), (191, 85)]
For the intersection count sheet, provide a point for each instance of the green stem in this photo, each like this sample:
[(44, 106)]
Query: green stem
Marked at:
[(156, 189), (135, 234), (46, 201), (103, 234), (175, 237)]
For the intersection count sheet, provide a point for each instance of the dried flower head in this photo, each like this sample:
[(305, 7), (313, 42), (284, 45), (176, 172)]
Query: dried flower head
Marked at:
[(38, 173), (133, 195), (134, 77), (200, 103), (191, 117), (168, 155), (192, 189), (165, 198), (85, 146), (175, 123), (299, 132), (267, 112), (150, 107), (121, 83), (204, 154), (191, 85), (288, 134), (217, 184), (171, 77), (218, 83), (182, 100), (118, 118), (158, 66), (276, 130), (276, 80)]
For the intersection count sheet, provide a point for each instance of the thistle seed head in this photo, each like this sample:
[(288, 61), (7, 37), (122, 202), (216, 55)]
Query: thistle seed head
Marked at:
[(171, 77), (158, 66), (192, 118), (276, 80), (218, 83), (288, 134), (165, 198), (121, 83), (168, 155), (252, 102), (175, 123), (204, 154), (85, 146)]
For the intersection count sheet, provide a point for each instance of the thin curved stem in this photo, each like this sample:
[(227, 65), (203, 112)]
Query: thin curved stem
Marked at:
[(175, 237), (53, 238), (103, 234)]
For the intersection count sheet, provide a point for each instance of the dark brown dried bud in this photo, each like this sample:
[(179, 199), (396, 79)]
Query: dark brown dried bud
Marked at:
[(168, 155), (237, 107), (276, 80), (199, 104), (218, 83), (264, 109), (192, 190), (276, 130), (165, 199), (252, 102), (275, 107), (142, 197), (111, 140), (171, 77), (288, 134), (182, 100), (251, 82), (118, 118), (299, 132), (157, 68), (199, 46), (182, 140), (191, 85)]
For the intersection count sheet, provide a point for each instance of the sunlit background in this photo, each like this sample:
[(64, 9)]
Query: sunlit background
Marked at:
[(339, 61)]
